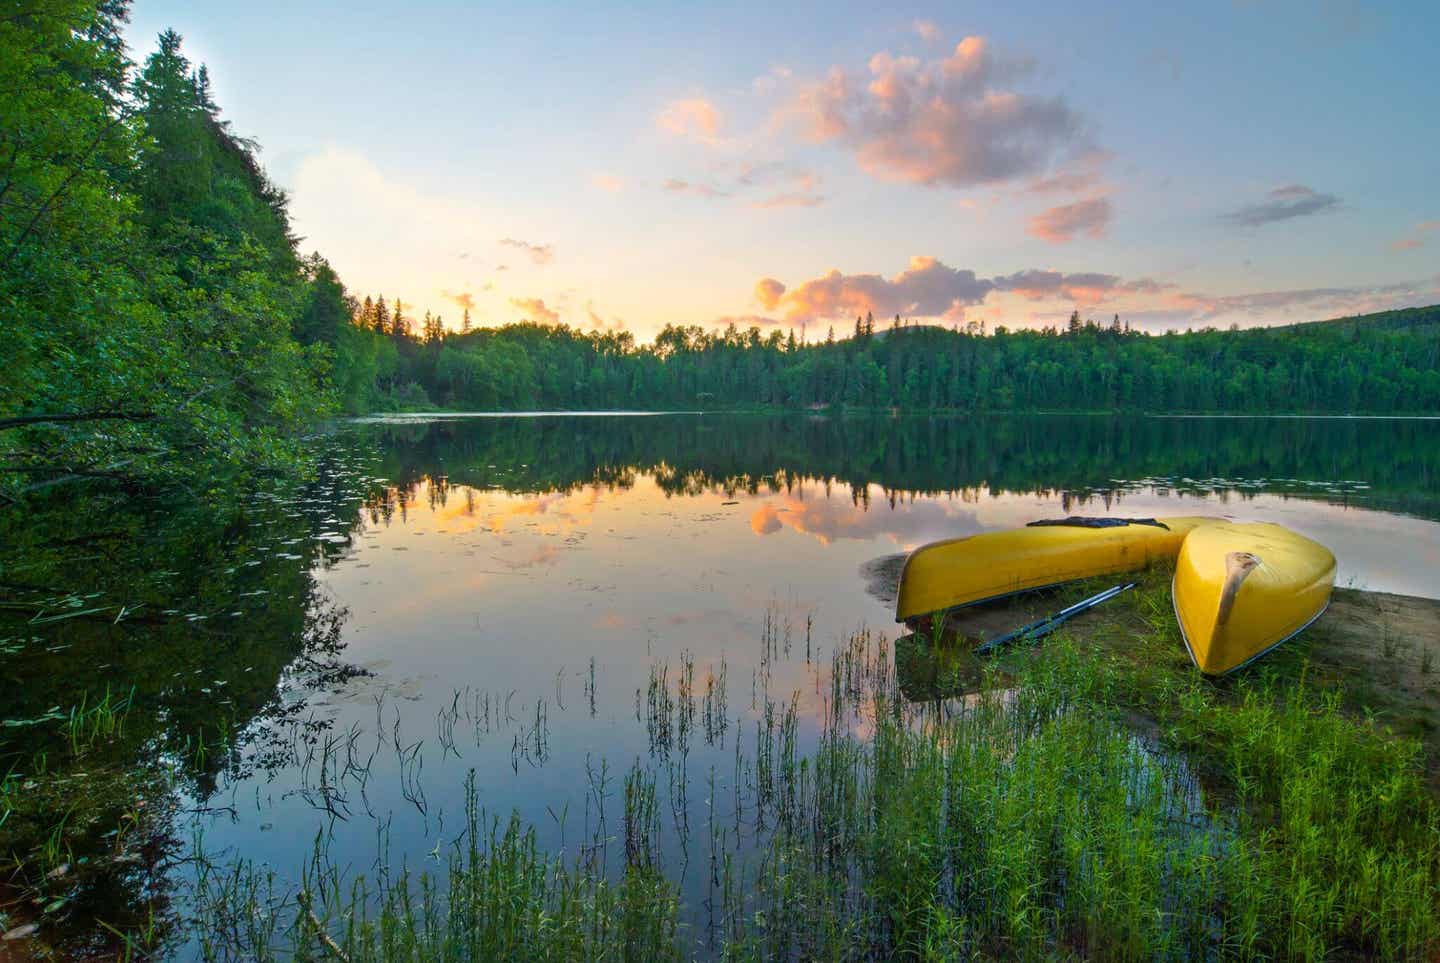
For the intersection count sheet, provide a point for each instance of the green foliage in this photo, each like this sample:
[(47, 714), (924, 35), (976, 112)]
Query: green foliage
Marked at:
[(1389, 465), (1031, 822), (139, 636), (150, 283), (1345, 366)]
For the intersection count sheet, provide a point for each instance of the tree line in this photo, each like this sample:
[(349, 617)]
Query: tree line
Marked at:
[(1382, 364), (160, 314)]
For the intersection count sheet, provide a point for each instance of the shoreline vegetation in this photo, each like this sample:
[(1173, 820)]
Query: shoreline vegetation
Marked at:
[(1088, 796), (918, 368), (845, 410), (164, 322), (166, 334)]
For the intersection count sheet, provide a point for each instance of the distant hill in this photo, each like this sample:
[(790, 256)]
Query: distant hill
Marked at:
[(1401, 320)]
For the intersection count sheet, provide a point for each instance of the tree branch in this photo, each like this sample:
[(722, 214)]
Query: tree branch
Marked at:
[(68, 417)]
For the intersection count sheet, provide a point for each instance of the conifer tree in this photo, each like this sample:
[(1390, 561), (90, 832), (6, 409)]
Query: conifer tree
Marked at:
[(399, 324)]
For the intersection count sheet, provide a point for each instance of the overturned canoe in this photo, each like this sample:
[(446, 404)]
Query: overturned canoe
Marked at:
[(977, 568), (1242, 589)]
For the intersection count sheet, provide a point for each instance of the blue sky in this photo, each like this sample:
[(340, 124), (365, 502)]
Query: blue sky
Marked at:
[(1241, 163)]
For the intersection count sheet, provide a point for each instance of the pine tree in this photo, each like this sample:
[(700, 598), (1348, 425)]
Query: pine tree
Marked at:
[(465, 322), (382, 317), (1074, 326), (433, 330), (399, 324), (202, 92)]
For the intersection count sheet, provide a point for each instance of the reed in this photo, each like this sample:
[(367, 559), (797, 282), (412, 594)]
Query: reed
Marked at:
[(1032, 819)]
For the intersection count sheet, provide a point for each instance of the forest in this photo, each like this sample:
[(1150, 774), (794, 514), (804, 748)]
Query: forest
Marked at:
[(1386, 363), (160, 313)]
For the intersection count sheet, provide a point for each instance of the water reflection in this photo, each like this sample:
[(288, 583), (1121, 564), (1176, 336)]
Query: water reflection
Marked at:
[(526, 597), (1391, 464)]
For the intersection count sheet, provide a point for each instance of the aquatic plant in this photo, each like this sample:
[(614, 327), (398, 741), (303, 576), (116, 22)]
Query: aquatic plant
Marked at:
[(1029, 819)]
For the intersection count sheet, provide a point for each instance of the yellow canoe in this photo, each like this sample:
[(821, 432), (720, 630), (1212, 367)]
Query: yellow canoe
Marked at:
[(1242, 589), (977, 568)]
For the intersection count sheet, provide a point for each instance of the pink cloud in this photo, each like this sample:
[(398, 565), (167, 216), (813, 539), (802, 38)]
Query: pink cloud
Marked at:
[(1283, 204), (1307, 304), (791, 199), (676, 186), (1084, 287), (539, 253), (1417, 237), (608, 182), (926, 288), (768, 292), (1084, 174), (613, 326), (926, 30), (768, 81), (950, 122), (1060, 224), (536, 310), (831, 519), (693, 118), (789, 186), (462, 299)]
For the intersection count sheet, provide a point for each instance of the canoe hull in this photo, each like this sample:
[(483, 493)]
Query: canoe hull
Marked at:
[(1240, 590), (977, 568)]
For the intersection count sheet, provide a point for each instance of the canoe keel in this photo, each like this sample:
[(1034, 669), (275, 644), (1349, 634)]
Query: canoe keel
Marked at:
[(1237, 566), (1240, 590)]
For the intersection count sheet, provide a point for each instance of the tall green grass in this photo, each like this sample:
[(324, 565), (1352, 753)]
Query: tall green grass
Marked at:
[(1033, 819)]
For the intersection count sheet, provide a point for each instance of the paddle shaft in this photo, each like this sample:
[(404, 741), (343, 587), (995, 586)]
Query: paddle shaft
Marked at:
[(1050, 623)]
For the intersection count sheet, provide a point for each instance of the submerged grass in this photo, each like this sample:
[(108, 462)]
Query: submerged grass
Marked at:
[(1031, 819)]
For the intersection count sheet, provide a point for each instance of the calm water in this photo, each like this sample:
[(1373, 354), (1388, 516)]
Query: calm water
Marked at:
[(505, 595)]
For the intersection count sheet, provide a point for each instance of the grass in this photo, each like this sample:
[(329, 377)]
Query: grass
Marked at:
[(1080, 803), (79, 822), (1087, 797)]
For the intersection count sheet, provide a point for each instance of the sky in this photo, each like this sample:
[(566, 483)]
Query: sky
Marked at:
[(794, 165)]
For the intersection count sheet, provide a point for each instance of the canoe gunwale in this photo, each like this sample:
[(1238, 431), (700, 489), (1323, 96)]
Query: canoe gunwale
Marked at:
[(1175, 607)]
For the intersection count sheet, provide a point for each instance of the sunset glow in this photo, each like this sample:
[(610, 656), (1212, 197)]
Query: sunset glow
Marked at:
[(567, 165)]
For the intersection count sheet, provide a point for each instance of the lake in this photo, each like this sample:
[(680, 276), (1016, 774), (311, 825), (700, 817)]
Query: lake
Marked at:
[(554, 601)]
